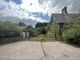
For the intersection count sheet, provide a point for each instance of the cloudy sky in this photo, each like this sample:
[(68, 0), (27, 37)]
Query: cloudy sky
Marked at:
[(36, 10)]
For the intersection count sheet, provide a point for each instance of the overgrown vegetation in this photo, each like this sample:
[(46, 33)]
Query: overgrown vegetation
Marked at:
[(43, 30), (44, 38), (32, 31), (51, 28), (72, 33), (40, 25), (9, 32), (9, 26), (21, 24)]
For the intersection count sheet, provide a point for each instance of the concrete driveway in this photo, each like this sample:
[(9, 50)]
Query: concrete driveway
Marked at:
[(32, 50)]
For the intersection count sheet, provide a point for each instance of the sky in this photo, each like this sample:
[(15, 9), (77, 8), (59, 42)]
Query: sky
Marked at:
[(36, 10)]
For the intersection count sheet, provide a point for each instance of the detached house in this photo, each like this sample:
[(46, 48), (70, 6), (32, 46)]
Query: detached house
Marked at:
[(60, 21)]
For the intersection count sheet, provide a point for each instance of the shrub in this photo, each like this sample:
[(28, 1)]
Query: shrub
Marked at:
[(44, 38), (9, 32), (41, 38), (72, 33), (9, 26)]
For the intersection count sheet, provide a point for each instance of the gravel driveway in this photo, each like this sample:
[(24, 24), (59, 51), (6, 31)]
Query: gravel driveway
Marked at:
[(29, 50)]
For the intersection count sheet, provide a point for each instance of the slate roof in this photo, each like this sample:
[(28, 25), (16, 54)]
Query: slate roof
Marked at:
[(60, 18)]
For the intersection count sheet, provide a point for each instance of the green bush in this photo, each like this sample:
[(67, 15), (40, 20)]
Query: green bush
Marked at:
[(9, 32), (9, 26), (44, 38), (41, 38), (72, 33)]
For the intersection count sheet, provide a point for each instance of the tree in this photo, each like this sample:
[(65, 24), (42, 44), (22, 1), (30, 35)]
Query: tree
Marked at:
[(42, 27), (39, 25), (22, 24), (9, 26)]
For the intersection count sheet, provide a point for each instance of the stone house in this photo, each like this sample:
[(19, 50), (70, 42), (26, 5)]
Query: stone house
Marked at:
[(60, 21)]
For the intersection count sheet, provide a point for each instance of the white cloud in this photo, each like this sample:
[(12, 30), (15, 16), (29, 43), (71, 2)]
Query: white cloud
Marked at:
[(12, 9), (31, 8), (35, 6), (22, 11), (45, 6), (38, 19), (55, 6)]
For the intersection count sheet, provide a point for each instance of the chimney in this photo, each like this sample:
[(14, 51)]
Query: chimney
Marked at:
[(64, 11)]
